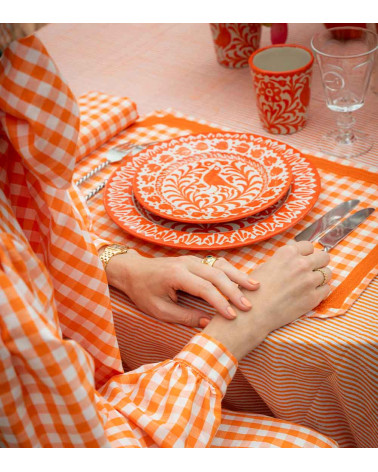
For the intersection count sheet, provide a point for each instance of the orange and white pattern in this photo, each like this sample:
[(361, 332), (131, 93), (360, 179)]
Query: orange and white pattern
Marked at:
[(211, 178), (62, 381), (102, 117), (283, 102), (235, 42)]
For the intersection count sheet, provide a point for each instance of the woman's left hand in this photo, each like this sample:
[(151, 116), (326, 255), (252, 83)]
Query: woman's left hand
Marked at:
[(152, 284)]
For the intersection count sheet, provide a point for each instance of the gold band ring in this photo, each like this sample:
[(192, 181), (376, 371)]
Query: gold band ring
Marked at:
[(209, 260), (324, 274)]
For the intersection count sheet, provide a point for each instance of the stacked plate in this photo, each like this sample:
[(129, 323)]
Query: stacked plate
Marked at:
[(212, 191)]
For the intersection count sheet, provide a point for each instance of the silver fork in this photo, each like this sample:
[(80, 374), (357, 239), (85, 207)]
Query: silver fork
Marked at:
[(114, 154)]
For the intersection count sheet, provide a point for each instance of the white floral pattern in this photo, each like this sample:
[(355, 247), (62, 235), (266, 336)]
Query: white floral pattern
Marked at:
[(283, 100), (190, 180), (235, 42)]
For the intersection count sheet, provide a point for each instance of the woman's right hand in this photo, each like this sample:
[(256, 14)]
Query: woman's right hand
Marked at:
[(290, 286)]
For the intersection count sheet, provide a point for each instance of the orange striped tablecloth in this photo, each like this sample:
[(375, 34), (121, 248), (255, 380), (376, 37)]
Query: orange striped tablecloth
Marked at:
[(321, 373)]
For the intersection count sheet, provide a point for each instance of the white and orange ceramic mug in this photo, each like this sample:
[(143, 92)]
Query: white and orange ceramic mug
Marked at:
[(235, 42), (282, 77)]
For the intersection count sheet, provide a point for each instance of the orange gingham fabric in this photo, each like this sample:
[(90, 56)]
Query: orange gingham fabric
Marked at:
[(322, 373), (61, 379), (102, 117)]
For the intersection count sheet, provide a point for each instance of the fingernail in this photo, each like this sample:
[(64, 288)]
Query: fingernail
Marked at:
[(253, 282), (231, 312), (203, 322), (246, 302)]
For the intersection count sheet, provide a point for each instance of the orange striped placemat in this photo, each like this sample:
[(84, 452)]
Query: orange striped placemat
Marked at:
[(353, 261)]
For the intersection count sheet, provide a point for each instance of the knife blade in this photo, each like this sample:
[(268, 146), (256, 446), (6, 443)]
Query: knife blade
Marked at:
[(340, 231), (326, 221)]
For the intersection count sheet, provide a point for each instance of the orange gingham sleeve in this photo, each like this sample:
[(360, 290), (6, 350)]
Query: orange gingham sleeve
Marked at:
[(78, 202)]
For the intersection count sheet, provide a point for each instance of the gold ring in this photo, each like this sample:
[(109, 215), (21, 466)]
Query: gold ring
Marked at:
[(324, 274), (209, 260)]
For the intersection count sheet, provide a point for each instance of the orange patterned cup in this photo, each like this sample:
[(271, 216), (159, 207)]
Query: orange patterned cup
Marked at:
[(282, 76), (235, 42)]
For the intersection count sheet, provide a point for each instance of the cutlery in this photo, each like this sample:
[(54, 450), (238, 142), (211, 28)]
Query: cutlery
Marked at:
[(326, 221), (340, 231), (114, 154), (120, 152)]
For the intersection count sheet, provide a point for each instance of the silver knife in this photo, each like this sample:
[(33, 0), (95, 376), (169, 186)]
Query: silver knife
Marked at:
[(326, 221), (340, 231)]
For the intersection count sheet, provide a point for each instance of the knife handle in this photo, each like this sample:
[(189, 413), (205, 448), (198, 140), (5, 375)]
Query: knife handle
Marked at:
[(95, 191)]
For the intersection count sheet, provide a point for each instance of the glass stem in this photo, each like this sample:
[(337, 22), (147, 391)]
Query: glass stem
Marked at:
[(345, 121)]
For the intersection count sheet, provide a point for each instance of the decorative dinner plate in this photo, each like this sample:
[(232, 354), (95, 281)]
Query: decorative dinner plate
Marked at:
[(210, 180), (123, 208)]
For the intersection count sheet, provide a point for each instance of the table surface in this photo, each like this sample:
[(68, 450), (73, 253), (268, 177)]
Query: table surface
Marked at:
[(164, 66), (173, 65)]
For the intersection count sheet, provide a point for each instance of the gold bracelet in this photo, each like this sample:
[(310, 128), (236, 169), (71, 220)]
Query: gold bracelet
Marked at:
[(110, 251)]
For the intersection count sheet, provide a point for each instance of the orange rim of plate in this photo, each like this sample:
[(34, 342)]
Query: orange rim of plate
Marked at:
[(211, 180), (127, 213)]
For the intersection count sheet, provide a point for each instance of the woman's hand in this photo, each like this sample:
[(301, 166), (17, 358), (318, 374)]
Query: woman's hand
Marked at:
[(152, 284), (290, 287)]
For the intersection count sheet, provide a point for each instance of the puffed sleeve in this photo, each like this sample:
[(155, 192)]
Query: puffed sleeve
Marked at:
[(176, 403)]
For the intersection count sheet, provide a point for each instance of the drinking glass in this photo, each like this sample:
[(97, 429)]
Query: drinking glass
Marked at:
[(346, 58)]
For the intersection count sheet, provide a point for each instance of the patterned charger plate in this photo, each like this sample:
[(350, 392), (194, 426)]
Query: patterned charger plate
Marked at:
[(124, 210), (210, 180)]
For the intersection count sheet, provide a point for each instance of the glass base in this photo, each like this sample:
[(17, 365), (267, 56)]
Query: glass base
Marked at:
[(333, 145)]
